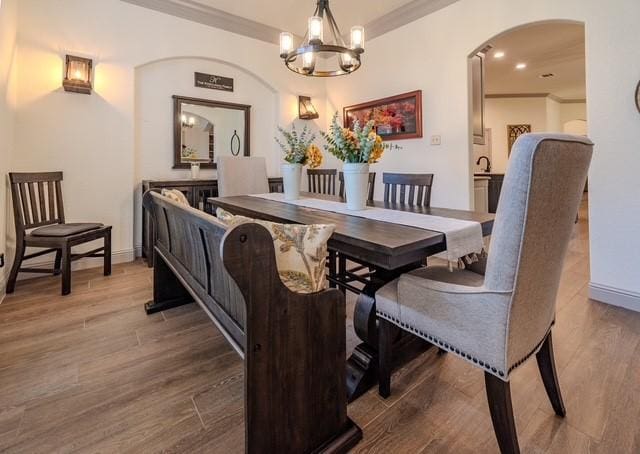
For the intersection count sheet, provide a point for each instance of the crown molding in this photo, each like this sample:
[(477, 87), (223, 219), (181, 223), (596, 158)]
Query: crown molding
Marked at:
[(404, 15), (537, 95), (213, 17)]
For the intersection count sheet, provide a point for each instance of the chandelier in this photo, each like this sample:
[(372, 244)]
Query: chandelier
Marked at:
[(315, 56)]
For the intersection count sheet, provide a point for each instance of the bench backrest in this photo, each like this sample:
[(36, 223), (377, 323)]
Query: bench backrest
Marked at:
[(293, 344)]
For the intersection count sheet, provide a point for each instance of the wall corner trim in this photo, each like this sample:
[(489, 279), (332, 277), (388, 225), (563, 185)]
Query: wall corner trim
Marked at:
[(614, 296)]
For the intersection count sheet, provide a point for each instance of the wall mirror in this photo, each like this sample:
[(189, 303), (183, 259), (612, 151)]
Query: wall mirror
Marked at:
[(205, 129)]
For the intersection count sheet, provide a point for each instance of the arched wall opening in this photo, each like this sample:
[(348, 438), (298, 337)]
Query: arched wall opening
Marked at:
[(155, 84), (527, 78)]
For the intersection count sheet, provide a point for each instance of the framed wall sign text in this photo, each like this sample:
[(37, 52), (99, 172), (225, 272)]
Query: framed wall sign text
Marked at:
[(213, 82)]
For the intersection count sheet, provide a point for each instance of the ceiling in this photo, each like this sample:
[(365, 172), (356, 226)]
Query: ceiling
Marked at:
[(292, 15), (264, 20), (556, 48)]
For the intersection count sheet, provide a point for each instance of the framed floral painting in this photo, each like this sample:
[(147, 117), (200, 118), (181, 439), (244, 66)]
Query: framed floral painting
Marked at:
[(397, 117)]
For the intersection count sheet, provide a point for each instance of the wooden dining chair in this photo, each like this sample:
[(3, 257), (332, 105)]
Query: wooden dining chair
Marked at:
[(499, 312), (414, 188), (322, 181), (38, 213), (370, 189)]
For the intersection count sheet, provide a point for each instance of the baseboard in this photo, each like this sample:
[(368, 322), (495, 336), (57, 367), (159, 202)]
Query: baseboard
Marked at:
[(125, 256), (614, 296)]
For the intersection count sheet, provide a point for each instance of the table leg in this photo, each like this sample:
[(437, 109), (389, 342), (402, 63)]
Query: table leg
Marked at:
[(362, 365)]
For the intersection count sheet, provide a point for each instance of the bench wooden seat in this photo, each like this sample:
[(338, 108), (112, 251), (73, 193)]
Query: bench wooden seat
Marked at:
[(293, 345)]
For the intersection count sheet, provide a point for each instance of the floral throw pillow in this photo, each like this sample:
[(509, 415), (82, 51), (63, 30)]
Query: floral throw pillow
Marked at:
[(301, 251), (175, 195)]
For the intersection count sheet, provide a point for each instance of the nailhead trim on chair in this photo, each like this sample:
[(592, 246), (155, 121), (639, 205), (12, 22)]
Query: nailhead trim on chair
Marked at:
[(441, 343), (459, 352)]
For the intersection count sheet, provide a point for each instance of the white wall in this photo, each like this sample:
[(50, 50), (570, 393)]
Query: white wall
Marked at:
[(92, 138), (500, 112), (157, 82), (8, 19), (431, 54), (542, 113)]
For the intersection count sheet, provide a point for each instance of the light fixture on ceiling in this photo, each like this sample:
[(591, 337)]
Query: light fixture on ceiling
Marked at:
[(498, 54), (303, 60), (521, 66)]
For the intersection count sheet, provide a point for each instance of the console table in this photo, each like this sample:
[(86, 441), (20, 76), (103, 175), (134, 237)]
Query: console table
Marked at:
[(196, 191)]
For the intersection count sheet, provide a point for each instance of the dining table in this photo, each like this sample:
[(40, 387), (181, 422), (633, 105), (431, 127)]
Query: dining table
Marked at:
[(385, 250)]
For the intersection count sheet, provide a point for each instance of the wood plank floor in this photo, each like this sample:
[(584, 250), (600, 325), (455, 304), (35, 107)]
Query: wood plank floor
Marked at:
[(92, 373)]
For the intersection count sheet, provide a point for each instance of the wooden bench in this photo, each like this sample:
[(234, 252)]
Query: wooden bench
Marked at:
[(293, 345)]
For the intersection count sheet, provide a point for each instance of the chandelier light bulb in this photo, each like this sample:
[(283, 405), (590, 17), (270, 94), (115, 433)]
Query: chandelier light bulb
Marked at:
[(347, 61), (308, 60), (286, 43), (357, 37), (315, 29)]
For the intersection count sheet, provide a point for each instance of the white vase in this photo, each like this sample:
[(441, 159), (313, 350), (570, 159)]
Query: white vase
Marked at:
[(195, 170), (356, 183), (291, 177)]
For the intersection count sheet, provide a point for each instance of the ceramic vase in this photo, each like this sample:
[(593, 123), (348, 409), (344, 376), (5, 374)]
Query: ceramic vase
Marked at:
[(291, 176), (356, 183)]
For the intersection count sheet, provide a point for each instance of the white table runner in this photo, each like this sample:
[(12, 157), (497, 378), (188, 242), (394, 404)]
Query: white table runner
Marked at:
[(464, 238)]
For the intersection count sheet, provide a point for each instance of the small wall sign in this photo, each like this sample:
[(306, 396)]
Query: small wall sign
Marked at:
[(213, 82)]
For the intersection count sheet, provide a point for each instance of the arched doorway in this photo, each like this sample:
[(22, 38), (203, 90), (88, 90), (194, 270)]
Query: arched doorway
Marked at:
[(528, 79)]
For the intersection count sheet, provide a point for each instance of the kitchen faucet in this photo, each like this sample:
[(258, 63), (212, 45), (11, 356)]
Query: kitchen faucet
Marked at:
[(488, 168)]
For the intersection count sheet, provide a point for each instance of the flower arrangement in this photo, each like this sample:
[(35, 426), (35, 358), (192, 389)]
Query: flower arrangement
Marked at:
[(360, 145), (299, 148)]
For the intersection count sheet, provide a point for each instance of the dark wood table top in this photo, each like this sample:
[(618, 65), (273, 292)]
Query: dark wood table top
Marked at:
[(381, 244)]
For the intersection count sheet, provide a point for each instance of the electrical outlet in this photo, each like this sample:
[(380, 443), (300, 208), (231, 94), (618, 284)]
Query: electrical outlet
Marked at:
[(436, 140), (1, 260)]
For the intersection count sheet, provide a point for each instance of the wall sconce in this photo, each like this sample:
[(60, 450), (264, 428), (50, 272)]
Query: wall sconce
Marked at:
[(306, 110), (77, 76)]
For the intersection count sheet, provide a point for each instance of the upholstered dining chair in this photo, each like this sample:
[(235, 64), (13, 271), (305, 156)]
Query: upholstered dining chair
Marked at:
[(322, 181), (242, 176), (414, 188), (38, 213), (500, 312)]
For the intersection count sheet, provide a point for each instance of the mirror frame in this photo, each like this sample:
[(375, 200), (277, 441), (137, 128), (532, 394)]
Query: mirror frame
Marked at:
[(177, 127)]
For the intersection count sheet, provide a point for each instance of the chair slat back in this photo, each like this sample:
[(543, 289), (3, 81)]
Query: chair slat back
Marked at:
[(370, 189), (37, 199), (322, 181), (408, 188)]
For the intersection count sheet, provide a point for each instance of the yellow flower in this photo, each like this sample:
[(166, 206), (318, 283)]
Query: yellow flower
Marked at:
[(314, 156), (378, 149)]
